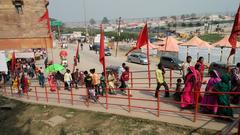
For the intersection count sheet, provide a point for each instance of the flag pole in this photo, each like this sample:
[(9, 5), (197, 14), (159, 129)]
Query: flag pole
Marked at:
[(149, 74)]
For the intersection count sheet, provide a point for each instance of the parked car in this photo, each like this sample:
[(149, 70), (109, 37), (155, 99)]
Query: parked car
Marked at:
[(95, 47), (139, 58), (171, 62), (107, 52)]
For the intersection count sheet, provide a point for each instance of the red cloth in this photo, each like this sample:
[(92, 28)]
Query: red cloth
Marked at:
[(45, 16), (142, 39), (125, 76), (101, 49), (13, 62), (235, 32), (26, 85)]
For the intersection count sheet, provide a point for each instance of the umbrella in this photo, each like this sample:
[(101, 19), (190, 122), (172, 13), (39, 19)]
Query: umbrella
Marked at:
[(54, 68), (63, 53)]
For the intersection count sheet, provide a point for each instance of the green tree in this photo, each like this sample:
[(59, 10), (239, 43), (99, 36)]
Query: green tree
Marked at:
[(105, 20), (92, 21)]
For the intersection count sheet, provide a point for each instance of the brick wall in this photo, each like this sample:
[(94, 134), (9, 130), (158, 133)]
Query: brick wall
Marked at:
[(26, 25)]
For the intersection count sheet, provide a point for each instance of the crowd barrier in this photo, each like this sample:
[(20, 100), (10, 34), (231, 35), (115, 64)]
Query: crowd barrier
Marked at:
[(75, 96)]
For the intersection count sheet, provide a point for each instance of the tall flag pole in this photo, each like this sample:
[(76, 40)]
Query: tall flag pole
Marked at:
[(102, 60), (234, 34), (13, 62), (141, 41)]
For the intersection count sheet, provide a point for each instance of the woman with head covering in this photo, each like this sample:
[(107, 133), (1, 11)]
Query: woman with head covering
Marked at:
[(187, 97), (198, 85), (210, 99), (223, 99)]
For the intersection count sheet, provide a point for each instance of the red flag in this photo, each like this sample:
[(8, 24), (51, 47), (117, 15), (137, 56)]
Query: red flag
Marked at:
[(142, 39), (13, 62), (235, 32), (45, 16), (101, 49)]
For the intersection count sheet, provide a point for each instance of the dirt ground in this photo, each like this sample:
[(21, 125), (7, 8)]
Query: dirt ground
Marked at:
[(28, 119)]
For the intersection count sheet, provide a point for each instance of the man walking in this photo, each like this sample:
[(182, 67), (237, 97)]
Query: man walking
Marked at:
[(160, 81)]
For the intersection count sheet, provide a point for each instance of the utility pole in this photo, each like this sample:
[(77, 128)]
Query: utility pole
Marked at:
[(119, 34), (85, 17)]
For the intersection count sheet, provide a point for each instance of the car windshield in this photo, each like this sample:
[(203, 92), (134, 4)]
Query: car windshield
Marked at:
[(142, 56)]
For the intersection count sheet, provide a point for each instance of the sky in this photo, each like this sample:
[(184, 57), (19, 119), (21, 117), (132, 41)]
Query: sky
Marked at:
[(73, 10)]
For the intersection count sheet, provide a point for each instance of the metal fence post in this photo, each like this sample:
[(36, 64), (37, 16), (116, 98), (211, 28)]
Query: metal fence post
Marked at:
[(158, 104), (131, 73), (46, 93), (35, 88), (196, 93), (129, 100)]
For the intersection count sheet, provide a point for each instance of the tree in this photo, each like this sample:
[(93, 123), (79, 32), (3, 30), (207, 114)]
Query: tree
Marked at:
[(183, 17), (92, 21), (105, 20), (174, 17), (193, 15), (184, 25)]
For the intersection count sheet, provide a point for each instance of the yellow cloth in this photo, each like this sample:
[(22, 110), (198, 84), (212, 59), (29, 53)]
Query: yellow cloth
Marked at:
[(159, 76)]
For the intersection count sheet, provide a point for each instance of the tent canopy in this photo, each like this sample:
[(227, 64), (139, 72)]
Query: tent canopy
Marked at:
[(197, 42), (151, 46), (169, 44), (223, 42)]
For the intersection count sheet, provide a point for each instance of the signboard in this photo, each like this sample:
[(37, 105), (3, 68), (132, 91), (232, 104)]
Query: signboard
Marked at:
[(24, 55), (56, 23), (3, 62)]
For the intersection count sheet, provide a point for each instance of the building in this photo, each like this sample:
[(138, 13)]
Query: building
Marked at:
[(20, 27)]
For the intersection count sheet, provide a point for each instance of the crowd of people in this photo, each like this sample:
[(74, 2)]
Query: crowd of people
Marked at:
[(188, 88), (210, 100)]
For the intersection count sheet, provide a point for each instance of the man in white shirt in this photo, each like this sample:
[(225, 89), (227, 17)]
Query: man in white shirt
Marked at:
[(67, 79), (186, 65)]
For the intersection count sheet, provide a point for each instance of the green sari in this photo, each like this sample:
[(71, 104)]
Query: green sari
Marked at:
[(223, 99)]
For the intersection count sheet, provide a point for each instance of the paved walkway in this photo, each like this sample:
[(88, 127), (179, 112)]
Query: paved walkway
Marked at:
[(120, 106)]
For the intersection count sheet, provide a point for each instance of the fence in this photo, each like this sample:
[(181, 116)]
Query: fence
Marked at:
[(142, 99)]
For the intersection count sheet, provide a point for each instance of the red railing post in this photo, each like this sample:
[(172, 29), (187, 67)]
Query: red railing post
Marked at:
[(171, 72), (131, 74), (46, 93), (106, 98), (158, 104), (129, 100), (87, 97), (36, 94), (27, 94), (196, 93), (58, 96), (5, 90), (239, 126), (71, 91)]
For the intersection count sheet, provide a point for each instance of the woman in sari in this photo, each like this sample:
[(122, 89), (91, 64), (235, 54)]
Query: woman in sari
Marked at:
[(52, 83), (198, 85), (200, 63), (187, 97), (15, 84), (210, 99), (223, 99)]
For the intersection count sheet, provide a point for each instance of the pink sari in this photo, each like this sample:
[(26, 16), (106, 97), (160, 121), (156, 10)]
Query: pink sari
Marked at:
[(211, 99), (187, 97)]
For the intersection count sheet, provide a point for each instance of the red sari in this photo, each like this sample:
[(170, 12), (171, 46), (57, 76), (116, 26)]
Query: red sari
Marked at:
[(26, 85), (52, 83), (198, 86)]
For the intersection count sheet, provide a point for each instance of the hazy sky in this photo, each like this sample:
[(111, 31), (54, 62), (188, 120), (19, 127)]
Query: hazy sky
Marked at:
[(72, 10)]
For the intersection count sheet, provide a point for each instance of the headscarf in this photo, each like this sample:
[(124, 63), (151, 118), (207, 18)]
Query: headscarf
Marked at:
[(223, 86)]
